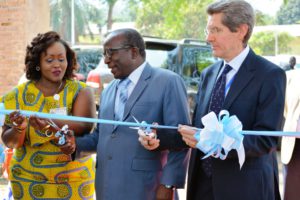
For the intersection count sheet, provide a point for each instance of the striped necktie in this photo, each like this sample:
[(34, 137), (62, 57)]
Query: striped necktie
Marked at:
[(123, 96)]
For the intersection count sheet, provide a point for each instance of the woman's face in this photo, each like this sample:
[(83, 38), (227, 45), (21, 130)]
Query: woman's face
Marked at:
[(54, 63)]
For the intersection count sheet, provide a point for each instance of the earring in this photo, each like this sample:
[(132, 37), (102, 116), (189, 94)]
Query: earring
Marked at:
[(37, 68)]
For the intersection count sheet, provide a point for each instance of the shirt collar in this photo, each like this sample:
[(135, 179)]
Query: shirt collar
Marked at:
[(236, 62), (136, 74)]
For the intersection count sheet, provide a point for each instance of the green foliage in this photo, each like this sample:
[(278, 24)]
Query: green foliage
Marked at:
[(263, 43), (289, 13), (263, 19), (172, 18)]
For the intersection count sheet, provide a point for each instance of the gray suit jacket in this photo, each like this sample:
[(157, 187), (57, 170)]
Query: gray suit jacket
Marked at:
[(256, 97), (125, 169)]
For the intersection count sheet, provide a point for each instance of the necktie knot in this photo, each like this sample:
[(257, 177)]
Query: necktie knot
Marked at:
[(124, 83), (226, 69)]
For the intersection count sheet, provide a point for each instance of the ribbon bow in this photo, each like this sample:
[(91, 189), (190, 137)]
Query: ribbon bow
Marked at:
[(221, 133)]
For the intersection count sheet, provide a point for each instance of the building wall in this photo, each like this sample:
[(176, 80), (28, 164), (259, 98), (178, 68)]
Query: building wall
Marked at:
[(20, 21)]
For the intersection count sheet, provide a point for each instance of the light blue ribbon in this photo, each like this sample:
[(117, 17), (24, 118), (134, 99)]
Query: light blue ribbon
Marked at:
[(3, 112), (217, 135)]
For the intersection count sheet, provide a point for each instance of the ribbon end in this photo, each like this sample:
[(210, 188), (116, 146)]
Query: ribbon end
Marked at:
[(2, 116), (241, 155)]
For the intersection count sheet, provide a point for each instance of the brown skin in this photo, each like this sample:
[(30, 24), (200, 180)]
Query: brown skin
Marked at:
[(53, 65), (123, 61)]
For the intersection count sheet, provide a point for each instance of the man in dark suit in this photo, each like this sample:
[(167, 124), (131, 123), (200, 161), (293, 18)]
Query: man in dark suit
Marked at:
[(254, 91), (124, 169)]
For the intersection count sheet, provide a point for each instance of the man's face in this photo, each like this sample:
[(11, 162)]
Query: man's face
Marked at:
[(225, 44), (118, 56)]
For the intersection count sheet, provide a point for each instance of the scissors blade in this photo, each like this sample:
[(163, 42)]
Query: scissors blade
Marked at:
[(51, 123), (137, 121), (134, 128)]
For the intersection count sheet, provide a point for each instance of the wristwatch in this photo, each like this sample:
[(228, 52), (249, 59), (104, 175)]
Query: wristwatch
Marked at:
[(169, 186)]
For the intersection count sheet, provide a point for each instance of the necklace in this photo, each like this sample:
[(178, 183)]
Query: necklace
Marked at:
[(56, 96)]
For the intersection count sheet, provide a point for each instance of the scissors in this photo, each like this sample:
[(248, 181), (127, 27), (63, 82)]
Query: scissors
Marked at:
[(60, 134), (147, 129)]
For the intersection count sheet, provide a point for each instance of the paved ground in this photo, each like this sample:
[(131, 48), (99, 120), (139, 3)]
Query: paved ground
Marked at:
[(3, 186)]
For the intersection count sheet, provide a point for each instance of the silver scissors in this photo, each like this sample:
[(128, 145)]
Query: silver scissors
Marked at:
[(147, 129)]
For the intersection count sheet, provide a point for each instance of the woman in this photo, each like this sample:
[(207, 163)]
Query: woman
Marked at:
[(39, 170)]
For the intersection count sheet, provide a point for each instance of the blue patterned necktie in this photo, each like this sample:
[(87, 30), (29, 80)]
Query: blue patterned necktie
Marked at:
[(123, 96), (215, 105)]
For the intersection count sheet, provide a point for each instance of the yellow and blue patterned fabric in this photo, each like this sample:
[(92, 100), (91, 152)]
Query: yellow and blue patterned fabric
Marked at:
[(38, 169)]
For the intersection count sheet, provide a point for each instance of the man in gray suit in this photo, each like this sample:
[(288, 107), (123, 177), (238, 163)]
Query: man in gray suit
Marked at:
[(124, 168)]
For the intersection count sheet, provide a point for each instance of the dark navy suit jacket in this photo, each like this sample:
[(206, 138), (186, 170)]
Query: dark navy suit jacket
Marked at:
[(256, 97)]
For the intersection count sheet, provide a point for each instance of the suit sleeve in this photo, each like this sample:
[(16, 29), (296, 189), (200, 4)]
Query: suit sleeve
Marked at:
[(269, 114), (87, 144), (175, 111)]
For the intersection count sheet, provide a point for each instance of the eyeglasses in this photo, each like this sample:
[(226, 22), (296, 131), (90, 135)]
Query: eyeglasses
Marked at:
[(109, 51), (212, 31)]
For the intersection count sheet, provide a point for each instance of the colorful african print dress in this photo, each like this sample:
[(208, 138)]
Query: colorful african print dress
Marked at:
[(39, 170)]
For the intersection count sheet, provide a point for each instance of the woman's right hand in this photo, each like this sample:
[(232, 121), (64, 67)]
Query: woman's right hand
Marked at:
[(13, 135), (18, 120)]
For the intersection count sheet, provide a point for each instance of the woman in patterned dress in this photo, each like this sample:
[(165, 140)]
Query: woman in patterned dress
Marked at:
[(38, 169)]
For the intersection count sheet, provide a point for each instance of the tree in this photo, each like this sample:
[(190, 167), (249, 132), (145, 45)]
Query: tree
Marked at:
[(172, 18), (262, 19), (263, 43), (289, 13), (60, 17), (111, 4)]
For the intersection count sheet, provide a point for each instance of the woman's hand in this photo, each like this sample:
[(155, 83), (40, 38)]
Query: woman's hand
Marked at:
[(70, 146), (18, 121), (13, 135), (38, 123)]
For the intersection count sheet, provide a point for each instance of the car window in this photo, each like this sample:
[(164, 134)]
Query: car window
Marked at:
[(157, 58), (194, 60)]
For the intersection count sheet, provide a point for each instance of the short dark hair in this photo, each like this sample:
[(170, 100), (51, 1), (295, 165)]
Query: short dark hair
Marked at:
[(133, 38), (235, 13), (39, 45)]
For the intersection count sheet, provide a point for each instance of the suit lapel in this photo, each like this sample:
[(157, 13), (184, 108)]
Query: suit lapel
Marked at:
[(138, 90), (205, 90), (241, 80), (111, 102)]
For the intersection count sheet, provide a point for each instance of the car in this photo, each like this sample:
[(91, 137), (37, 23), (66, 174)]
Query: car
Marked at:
[(88, 57), (187, 57)]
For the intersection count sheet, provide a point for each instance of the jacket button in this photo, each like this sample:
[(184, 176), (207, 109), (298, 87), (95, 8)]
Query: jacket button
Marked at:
[(113, 135), (109, 157)]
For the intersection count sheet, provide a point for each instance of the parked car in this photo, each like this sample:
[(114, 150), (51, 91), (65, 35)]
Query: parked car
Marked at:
[(88, 57), (187, 58)]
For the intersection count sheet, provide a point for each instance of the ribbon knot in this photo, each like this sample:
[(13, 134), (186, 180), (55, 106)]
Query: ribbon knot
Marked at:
[(220, 135)]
